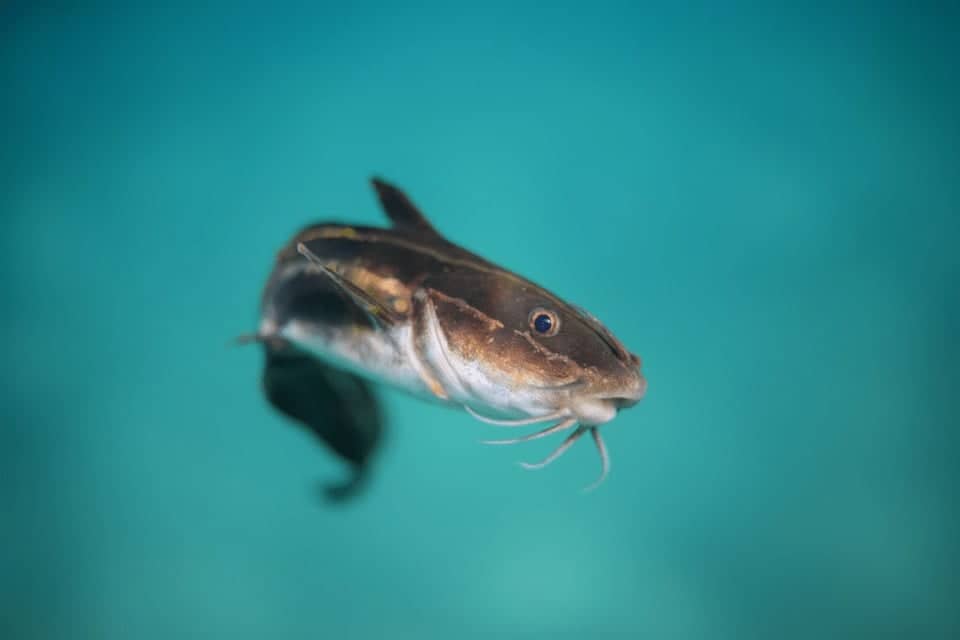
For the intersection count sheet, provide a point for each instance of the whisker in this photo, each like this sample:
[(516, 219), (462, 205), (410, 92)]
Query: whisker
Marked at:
[(559, 451), (560, 426), (562, 413), (247, 338), (604, 460)]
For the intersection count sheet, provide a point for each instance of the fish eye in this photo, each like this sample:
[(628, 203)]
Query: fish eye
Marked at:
[(544, 322)]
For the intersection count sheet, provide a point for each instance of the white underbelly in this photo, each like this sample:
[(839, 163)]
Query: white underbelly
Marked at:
[(377, 356)]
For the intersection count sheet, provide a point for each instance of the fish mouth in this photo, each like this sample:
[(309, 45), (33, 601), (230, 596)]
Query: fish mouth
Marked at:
[(626, 398), (625, 401)]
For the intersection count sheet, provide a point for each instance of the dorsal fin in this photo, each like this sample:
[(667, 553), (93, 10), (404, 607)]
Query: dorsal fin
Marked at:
[(400, 209)]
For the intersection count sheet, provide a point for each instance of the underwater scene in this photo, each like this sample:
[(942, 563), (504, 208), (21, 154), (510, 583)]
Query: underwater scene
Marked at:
[(507, 320)]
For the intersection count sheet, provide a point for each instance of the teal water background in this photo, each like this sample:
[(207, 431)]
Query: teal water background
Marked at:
[(760, 201)]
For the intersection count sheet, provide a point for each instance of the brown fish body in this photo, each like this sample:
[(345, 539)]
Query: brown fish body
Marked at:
[(406, 306)]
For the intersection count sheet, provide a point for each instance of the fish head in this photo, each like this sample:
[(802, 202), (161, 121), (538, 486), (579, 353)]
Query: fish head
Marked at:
[(516, 348)]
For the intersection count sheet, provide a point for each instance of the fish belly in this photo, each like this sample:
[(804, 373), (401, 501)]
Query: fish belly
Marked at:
[(380, 356)]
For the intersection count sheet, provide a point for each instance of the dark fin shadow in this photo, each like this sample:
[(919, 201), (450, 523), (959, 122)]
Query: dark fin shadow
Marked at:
[(339, 408)]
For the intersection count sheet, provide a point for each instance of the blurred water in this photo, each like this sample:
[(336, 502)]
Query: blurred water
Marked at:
[(761, 202)]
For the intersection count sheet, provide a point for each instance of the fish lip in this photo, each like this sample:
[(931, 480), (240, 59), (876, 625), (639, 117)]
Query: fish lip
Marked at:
[(623, 403), (566, 386), (626, 399)]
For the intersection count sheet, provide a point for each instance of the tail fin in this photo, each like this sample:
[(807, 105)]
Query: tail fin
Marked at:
[(339, 408)]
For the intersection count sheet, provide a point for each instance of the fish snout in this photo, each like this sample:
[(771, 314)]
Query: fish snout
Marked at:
[(604, 406), (629, 397), (634, 392)]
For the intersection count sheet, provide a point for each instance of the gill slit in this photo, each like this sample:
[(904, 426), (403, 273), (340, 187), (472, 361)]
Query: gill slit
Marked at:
[(435, 339), (441, 340)]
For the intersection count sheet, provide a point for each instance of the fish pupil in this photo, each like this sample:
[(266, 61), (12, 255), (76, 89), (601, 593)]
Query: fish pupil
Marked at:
[(542, 323)]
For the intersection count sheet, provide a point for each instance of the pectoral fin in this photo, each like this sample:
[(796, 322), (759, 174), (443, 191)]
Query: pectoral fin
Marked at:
[(375, 310), (339, 408)]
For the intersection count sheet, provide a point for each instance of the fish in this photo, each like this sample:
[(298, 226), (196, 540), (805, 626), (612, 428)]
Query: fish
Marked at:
[(348, 306)]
